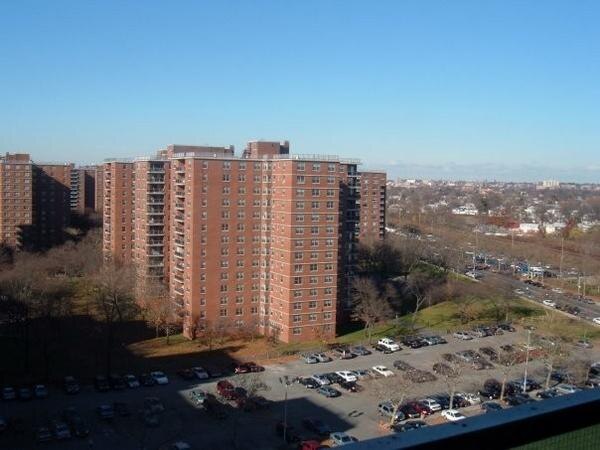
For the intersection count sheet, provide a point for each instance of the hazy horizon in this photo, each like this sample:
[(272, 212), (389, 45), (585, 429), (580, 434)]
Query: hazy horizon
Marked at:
[(444, 89)]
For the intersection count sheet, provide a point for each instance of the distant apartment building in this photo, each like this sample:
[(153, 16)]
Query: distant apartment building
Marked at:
[(118, 210), (35, 203), (16, 200), (372, 205), (86, 189), (266, 240)]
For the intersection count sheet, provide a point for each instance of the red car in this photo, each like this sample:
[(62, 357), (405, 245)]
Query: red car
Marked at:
[(248, 367), (420, 408), (226, 390)]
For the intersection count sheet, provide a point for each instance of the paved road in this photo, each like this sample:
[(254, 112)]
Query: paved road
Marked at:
[(354, 413), (509, 284)]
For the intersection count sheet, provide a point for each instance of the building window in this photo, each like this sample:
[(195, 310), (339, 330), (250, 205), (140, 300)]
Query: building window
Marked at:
[(296, 318), (312, 304), (312, 317), (223, 313), (297, 306)]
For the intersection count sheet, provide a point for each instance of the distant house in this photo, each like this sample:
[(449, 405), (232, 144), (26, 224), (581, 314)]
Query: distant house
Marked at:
[(526, 228), (467, 209)]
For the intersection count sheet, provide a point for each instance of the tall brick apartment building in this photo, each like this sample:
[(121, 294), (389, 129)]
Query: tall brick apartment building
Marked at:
[(265, 240), (36, 200)]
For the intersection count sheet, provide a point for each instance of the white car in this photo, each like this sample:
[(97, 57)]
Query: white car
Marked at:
[(200, 373), (432, 404), (382, 370), (321, 379), (558, 290), (596, 320), (564, 388), (388, 343), (339, 438), (549, 303), (463, 335), (347, 375), (452, 415), (132, 381), (473, 399), (160, 377)]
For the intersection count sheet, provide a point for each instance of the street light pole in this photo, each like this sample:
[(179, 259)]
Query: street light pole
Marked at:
[(526, 361), (285, 381)]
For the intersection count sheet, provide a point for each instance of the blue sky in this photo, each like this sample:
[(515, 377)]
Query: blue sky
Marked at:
[(404, 85)]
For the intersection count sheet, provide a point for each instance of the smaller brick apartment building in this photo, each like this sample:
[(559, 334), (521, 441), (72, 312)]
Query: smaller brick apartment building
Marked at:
[(266, 240)]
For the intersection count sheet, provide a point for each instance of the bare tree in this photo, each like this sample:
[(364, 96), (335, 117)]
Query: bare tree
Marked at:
[(158, 309), (252, 383), (368, 305), (507, 361), (113, 293), (451, 377), (394, 390)]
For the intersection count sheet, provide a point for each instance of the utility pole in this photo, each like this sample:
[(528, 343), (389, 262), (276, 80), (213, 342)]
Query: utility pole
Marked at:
[(562, 253), (526, 361)]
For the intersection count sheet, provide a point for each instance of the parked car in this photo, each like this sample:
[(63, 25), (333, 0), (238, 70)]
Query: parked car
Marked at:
[(388, 343), (40, 391), (451, 358), (71, 385), (490, 353), (472, 399), (201, 373), (146, 380), (328, 391), (383, 371), (44, 434), (432, 404), (442, 399), (383, 349), (339, 439), (549, 303), (583, 343), (322, 379), (159, 377), (198, 397), (317, 426), (409, 425), (346, 375), (547, 393), (506, 327), (350, 386), (309, 358), (463, 335), (518, 398), (343, 353), (101, 383), (386, 409), (322, 357), (453, 415), (410, 412), (491, 406), (25, 393), (226, 390), (105, 411), (564, 388), (309, 382), (132, 381), (360, 350), (248, 367)]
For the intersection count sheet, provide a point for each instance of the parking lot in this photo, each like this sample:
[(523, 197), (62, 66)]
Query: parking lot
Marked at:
[(353, 412)]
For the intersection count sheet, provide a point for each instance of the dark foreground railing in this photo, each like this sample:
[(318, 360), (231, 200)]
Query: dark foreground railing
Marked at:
[(559, 417)]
